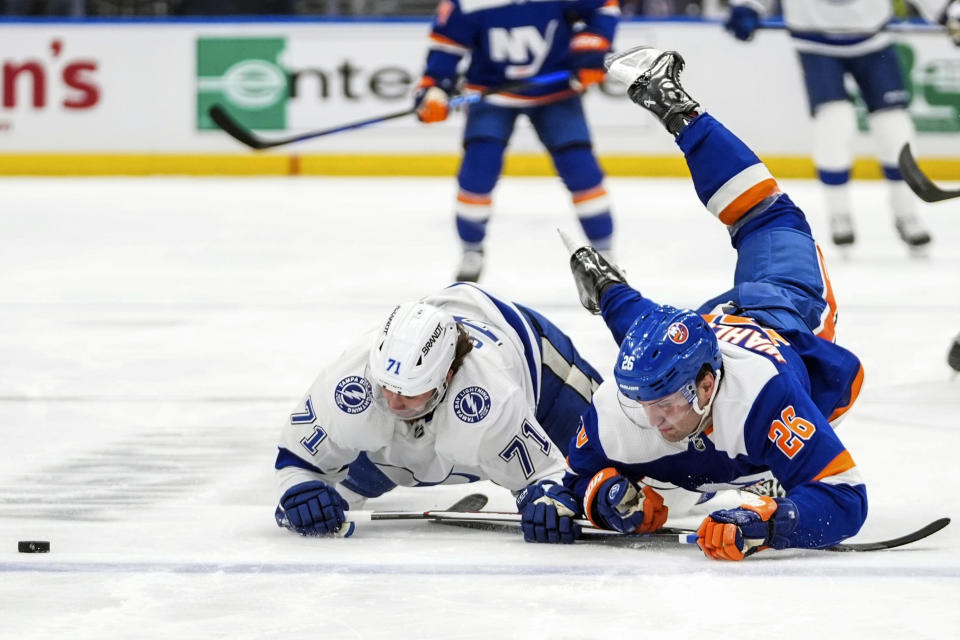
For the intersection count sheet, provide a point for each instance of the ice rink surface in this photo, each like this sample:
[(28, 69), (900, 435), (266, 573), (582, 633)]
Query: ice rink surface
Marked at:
[(156, 333)]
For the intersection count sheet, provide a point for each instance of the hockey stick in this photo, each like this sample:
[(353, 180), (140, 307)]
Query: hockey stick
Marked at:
[(472, 502), (900, 26), (496, 521), (919, 182), (233, 127)]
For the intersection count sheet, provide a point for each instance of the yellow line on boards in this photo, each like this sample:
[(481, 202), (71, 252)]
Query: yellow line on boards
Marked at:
[(275, 164)]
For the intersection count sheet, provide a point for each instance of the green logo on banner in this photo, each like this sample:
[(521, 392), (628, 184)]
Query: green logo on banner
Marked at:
[(934, 91), (244, 76)]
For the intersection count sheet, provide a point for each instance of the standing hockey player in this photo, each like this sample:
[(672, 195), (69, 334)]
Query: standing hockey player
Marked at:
[(457, 387), (507, 42), (833, 40), (747, 386)]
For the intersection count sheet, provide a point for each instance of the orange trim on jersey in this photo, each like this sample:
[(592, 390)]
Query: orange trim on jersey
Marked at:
[(474, 198), (590, 495), (589, 42), (436, 37), (829, 330), (748, 200), (426, 82), (612, 3), (854, 393), (589, 194), (843, 462), (581, 437)]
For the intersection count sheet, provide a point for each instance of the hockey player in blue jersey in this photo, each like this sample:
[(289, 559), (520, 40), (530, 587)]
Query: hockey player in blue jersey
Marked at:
[(744, 388), (835, 40), (508, 41)]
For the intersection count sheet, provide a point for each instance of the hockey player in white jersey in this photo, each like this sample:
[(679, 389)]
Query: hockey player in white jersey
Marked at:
[(837, 39), (457, 387)]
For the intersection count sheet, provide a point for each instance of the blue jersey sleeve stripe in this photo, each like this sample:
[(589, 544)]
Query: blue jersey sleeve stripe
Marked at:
[(285, 458)]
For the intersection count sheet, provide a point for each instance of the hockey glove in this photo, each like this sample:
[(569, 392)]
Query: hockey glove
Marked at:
[(612, 501), (586, 59), (951, 20), (432, 100), (733, 534), (548, 510), (592, 273), (742, 22), (311, 509)]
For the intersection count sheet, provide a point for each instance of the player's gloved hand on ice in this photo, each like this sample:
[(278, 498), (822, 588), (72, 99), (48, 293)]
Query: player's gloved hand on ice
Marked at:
[(311, 508), (733, 534), (742, 22), (586, 59), (951, 20), (432, 100), (612, 501), (548, 510)]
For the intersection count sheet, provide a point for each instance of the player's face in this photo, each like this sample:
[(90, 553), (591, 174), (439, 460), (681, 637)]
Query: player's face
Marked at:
[(673, 416), (408, 407)]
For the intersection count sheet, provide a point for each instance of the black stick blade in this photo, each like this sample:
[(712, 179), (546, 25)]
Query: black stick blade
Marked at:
[(233, 128), (913, 536), (921, 185)]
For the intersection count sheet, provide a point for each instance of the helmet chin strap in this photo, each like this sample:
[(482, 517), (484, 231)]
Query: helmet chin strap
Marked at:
[(704, 413)]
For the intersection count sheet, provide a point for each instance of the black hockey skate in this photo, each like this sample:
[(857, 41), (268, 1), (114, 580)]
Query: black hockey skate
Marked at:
[(911, 230), (841, 229), (592, 273), (653, 82)]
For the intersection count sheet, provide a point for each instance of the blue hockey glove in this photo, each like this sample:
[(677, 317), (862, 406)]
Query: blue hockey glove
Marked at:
[(311, 509), (733, 534), (611, 501), (742, 22), (548, 510)]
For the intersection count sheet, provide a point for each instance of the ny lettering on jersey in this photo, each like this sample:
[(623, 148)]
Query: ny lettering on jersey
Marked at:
[(523, 49)]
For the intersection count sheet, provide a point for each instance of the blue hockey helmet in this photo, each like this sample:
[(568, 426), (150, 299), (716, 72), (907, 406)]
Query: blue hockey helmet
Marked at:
[(662, 353)]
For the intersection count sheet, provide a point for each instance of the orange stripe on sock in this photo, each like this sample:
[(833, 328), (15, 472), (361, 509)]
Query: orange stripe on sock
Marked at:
[(474, 198), (843, 462), (748, 200), (589, 42), (589, 194)]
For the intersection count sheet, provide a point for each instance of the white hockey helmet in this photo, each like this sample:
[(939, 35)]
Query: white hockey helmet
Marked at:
[(412, 356)]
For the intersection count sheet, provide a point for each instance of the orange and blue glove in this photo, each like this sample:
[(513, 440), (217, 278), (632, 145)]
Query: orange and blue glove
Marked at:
[(586, 59), (612, 501), (432, 99), (734, 534)]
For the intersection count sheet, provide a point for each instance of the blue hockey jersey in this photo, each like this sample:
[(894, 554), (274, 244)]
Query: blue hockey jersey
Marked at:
[(510, 40), (771, 415)]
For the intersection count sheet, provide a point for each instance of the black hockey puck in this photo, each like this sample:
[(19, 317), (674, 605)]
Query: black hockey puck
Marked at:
[(33, 546), (953, 357)]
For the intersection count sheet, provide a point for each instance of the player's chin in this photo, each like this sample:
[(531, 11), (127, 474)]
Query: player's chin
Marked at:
[(671, 434)]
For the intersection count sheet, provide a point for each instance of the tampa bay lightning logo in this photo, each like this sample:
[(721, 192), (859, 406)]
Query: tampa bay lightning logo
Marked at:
[(472, 404), (353, 394)]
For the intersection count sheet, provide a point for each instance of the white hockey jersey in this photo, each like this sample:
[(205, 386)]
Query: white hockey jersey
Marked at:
[(485, 427), (841, 27)]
